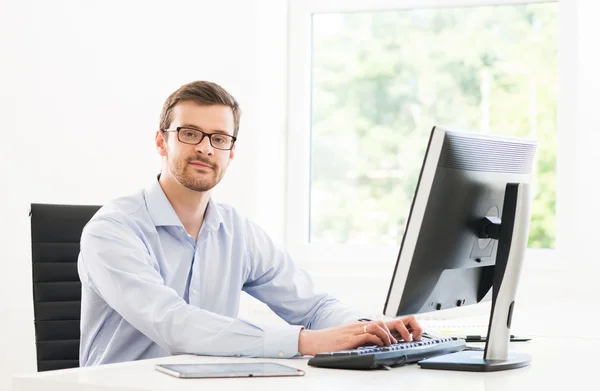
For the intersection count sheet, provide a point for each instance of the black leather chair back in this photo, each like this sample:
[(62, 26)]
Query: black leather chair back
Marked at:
[(55, 234)]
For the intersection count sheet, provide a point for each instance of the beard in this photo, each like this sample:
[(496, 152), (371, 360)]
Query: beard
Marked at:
[(194, 179)]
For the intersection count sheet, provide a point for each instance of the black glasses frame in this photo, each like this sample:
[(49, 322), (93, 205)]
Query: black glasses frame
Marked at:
[(209, 135)]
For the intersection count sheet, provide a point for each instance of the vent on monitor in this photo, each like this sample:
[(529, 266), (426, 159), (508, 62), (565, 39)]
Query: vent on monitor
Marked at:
[(479, 153)]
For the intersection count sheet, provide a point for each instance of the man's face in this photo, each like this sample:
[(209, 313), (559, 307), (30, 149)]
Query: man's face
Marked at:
[(197, 167)]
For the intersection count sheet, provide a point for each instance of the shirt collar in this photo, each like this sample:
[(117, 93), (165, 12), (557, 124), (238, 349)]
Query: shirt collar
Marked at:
[(212, 217), (162, 213)]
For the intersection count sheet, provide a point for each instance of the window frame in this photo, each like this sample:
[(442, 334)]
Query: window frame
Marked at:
[(378, 257)]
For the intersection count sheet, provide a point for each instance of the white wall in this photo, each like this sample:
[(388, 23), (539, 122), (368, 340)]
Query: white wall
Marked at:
[(587, 128), (81, 88)]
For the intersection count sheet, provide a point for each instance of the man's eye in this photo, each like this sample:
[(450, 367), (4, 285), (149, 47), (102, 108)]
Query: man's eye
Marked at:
[(219, 139)]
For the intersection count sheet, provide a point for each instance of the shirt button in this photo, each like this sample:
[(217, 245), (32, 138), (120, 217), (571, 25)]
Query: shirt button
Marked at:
[(281, 354), (194, 291)]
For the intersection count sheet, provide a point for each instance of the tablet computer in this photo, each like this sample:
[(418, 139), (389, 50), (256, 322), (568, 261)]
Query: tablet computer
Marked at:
[(200, 371)]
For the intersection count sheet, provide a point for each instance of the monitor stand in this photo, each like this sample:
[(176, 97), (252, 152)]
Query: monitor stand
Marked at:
[(511, 233)]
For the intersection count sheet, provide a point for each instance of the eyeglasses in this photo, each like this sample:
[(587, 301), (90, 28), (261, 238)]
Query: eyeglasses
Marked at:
[(194, 137)]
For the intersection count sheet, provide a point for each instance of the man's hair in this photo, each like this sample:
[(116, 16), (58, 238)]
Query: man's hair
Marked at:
[(204, 93)]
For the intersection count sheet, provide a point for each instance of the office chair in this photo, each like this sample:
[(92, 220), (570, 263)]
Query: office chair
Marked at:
[(55, 234)]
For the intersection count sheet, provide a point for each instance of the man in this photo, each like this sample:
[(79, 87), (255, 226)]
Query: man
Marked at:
[(162, 270)]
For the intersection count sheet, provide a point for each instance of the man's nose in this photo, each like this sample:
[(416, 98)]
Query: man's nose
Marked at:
[(204, 147)]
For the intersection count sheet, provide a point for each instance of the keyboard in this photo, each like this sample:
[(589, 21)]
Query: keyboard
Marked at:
[(374, 357)]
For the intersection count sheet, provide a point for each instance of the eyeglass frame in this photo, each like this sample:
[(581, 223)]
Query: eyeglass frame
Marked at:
[(204, 134)]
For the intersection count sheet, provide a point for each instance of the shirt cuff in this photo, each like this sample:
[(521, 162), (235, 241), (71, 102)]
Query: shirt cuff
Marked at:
[(281, 341)]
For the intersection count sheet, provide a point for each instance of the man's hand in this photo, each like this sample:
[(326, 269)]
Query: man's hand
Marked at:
[(357, 334), (406, 327)]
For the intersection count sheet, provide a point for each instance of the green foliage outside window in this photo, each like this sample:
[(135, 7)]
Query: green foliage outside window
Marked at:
[(382, 80)]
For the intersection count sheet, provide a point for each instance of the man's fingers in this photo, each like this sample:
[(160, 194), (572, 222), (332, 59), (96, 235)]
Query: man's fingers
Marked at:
[(387, 330), (404, 333), (367, 339), (376, 329), (414, 326), (417, 329)]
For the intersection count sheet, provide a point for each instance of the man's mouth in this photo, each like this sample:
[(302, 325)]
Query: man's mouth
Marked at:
[(199, 164)]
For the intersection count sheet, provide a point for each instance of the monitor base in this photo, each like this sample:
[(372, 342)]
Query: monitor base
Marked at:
[(473, 361)]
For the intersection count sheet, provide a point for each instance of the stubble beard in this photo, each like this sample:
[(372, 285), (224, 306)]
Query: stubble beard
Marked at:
[(189, 177)]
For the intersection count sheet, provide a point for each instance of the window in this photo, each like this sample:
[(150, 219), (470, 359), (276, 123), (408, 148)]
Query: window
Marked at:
[(379, 80)]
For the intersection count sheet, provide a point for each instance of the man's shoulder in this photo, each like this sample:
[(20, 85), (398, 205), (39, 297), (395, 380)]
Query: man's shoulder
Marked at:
[(236, 222), (123, 210), (232, 217), (227, 210)]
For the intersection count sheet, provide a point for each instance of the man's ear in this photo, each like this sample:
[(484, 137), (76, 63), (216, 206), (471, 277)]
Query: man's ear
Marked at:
[(232, 153), (161, 143)]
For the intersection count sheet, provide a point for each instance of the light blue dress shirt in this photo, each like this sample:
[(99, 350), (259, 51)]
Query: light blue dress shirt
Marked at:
[(149, 290)]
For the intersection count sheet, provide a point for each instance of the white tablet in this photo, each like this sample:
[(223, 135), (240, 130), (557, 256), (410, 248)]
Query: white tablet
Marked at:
[(200, 371)]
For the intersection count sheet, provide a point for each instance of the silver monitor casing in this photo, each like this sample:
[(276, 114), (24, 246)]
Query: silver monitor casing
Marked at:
[(445, 259)]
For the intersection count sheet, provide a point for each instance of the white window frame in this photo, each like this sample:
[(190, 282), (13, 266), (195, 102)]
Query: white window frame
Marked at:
[(379, 258)]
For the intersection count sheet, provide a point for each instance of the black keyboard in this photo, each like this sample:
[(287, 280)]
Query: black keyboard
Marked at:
[(373, 357)]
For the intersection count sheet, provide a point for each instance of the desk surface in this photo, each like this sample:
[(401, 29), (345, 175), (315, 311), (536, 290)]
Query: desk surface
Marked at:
[(556, 362)]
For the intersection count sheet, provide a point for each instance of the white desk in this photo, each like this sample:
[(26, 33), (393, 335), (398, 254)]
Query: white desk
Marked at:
[(557, 363)]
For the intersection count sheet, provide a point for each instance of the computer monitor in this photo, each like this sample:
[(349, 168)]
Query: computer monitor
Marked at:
[(466, 234)]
